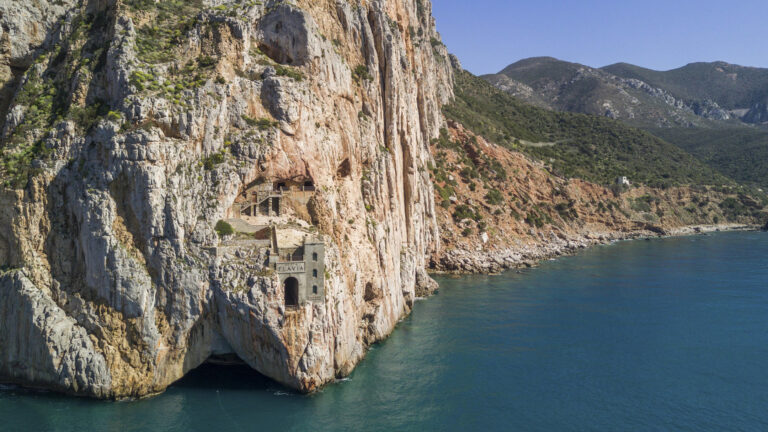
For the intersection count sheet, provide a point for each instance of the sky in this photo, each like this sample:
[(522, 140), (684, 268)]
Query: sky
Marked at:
[(488, 35)]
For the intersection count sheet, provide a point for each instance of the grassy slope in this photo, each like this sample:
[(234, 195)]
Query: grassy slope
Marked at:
[(730, 147), (738, 152), (589, 147), (541, 68)]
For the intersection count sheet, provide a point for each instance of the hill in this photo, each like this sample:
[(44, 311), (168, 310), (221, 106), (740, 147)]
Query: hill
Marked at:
[(566, 86), (740, 153), (593, 148), (685, 96), (715, 111), (743, 90)]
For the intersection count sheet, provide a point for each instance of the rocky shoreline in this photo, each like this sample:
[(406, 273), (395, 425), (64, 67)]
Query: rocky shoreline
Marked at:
[(462, 261)]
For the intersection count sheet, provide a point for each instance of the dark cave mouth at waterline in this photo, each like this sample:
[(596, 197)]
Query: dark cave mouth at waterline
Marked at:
[(226, 372)]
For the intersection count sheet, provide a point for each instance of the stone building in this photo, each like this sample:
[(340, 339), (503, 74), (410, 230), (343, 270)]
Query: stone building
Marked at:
[(273, 199), (301, 270), (296, 255)]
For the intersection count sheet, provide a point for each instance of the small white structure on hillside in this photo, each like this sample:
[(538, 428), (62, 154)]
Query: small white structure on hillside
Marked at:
[(623, 181)]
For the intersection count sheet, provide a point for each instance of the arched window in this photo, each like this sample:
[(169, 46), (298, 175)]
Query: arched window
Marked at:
[(314, 273), (291, 287), (314, 289), (314, 256)]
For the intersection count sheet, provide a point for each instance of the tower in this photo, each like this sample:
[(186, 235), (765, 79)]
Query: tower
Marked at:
[(314, 257)]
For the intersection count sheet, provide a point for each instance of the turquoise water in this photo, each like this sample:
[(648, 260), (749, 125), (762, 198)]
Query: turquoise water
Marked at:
[(649, 335)]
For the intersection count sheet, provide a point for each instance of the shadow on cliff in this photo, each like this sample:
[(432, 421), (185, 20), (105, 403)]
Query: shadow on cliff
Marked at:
[(208, 376)]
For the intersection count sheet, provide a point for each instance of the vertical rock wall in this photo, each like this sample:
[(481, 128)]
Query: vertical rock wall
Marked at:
[(112, 283)]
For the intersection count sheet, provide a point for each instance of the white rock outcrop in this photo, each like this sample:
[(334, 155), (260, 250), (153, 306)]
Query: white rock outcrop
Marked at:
[(114, 285)]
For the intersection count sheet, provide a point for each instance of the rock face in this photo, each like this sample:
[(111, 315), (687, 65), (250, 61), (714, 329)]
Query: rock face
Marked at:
[(758, 114), (131, 133), (25, 28)]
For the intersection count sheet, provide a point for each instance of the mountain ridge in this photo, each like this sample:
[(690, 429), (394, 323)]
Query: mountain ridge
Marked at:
[(694, 92), (682, 105)]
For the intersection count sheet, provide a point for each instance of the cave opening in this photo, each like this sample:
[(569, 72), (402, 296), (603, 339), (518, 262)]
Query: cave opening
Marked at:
[(230, 373), (345, 169)]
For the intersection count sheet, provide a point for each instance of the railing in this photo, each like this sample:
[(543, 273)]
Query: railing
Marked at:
[(264, 195), (282, 189)]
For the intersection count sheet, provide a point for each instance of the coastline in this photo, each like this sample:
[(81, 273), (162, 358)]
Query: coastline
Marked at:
[(493, 262)]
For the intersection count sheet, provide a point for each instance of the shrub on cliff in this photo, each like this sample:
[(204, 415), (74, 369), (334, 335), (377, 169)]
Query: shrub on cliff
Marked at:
[(361, 73), (494, 197), (223, 228)]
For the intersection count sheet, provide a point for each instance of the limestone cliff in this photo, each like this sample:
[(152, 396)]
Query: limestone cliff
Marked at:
[(132, 128)]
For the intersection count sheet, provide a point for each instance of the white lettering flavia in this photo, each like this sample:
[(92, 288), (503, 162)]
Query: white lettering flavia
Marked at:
[(290, 267)]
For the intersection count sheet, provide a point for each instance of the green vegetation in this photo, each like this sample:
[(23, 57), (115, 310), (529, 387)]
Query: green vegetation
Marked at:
[(741, 205), (260, 123), (47, 99), (494, 197), (731, 86), (475, 166), (738, 152), (733, 148), (565, 86), (211, 161), (142, 80), (289, 72), (566, 210), (223, 228), (464, 211), (643, 203), (192, 76), (575, 145), (114, 116), (206, 61), (360, 73), (157, 39), (537, 217)]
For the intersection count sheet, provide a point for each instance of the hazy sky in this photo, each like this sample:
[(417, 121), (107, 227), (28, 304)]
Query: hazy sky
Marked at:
[(487, 35)]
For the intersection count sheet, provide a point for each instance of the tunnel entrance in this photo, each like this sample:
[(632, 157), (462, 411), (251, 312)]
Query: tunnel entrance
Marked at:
[(291, 287)]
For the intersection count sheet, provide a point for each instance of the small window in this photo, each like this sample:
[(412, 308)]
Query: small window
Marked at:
[(314, 273), (314, 256), (314, 289)]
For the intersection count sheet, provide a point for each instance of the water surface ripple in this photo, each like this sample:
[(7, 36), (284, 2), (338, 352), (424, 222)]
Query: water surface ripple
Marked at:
[(648, 335)]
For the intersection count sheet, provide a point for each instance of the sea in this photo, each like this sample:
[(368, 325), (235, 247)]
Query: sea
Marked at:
[(660, 335)]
